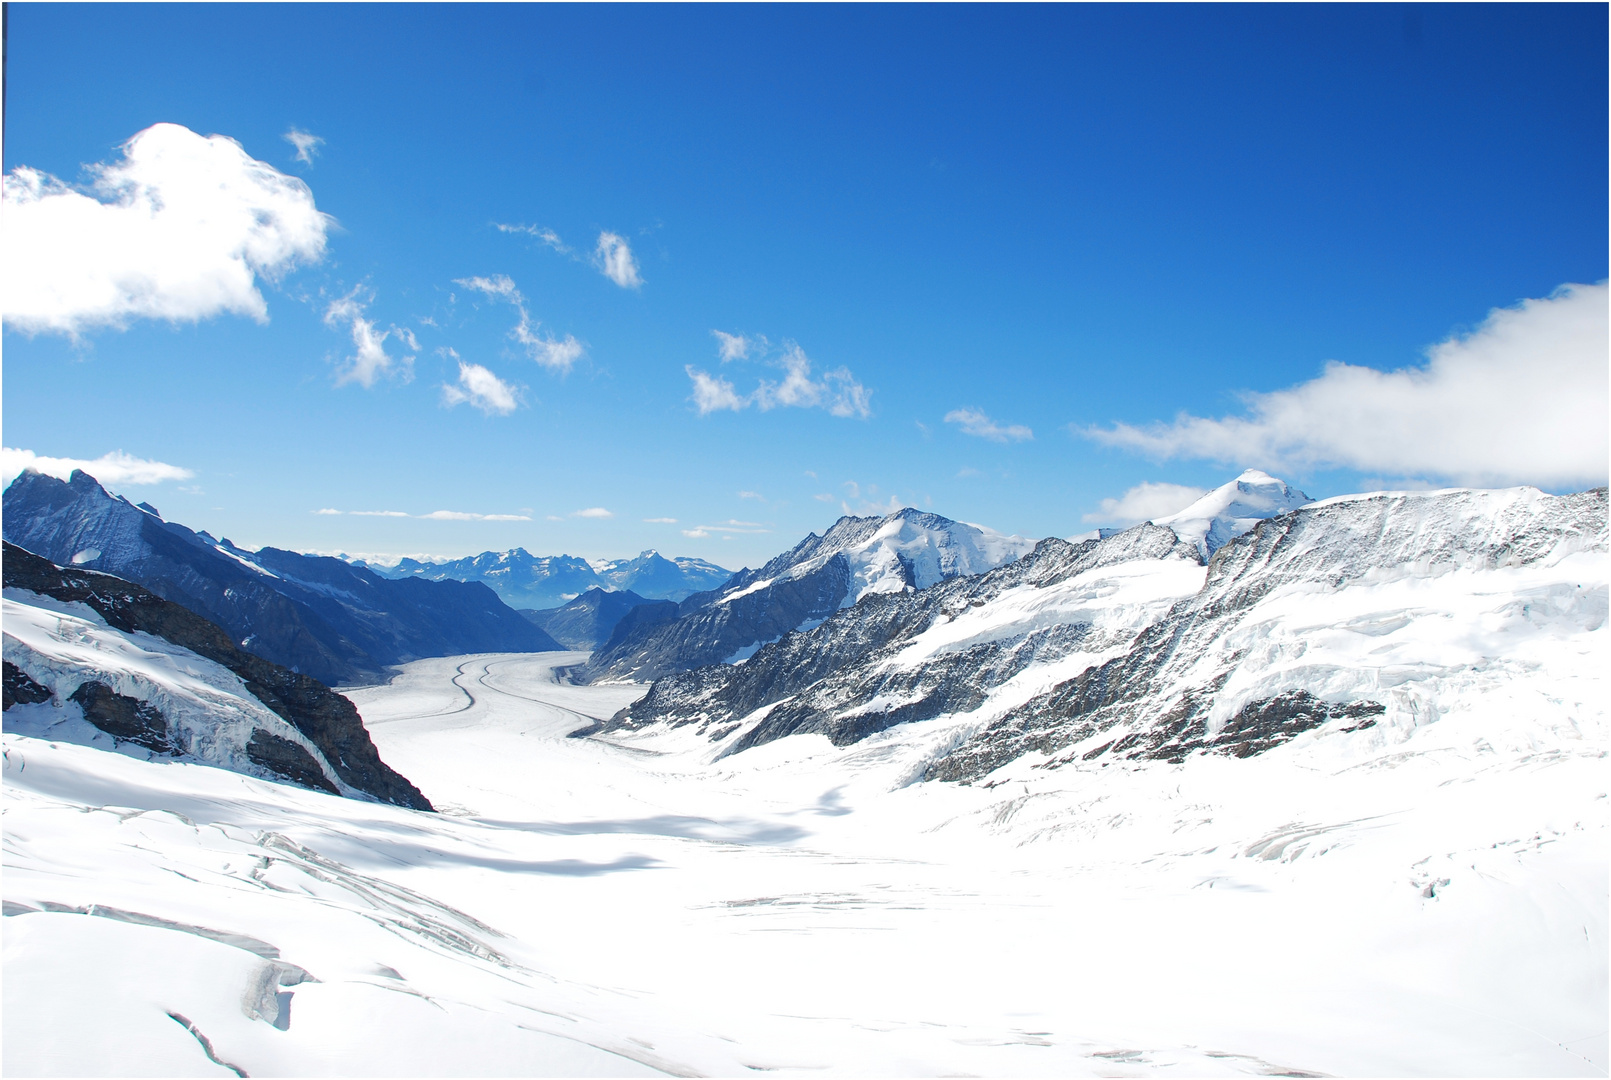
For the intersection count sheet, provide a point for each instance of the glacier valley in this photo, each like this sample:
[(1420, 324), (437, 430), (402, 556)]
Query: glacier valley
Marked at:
[(1273, 788)]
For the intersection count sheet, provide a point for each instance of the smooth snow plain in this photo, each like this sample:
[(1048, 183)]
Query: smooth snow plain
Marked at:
[(1435, 905)]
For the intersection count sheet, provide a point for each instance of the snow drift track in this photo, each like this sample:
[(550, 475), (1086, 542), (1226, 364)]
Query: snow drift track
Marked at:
[(585, 907)]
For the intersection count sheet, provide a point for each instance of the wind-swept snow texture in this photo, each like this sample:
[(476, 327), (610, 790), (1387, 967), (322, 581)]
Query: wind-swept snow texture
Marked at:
[(1340, 904), (858, 557), (95, 659)]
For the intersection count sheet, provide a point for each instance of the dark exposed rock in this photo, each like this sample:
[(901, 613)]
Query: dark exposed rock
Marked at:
[(329, 721), (590, 620), (20, 689), (124, 718), (321, 616), (288, 759)]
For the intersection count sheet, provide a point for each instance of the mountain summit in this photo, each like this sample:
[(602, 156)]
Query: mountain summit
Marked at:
[(1232, 509), (856, 558)]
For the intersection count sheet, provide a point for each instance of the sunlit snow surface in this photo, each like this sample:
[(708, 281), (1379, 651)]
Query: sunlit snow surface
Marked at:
[(1349, 904)]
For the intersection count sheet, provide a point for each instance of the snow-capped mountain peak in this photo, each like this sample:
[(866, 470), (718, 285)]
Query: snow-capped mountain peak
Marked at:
[(1232, 509)]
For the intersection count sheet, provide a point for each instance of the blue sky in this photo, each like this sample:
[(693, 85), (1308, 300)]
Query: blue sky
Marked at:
[(1065, 228)]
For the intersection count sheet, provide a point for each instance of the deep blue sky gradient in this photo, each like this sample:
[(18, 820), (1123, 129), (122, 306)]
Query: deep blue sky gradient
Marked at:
[(1062, 215)]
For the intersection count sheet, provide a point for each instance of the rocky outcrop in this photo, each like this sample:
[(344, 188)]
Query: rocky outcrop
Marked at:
[(124, 718), (329, 721), (340, 623), (22, 690)]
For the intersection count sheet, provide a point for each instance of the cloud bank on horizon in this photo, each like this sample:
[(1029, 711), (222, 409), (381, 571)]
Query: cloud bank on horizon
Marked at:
[(1522, 399)]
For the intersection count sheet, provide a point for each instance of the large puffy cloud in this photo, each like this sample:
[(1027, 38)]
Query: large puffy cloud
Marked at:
[(1522, 399), (1144, 502), (179, 229), (836, 390), (113, 470)]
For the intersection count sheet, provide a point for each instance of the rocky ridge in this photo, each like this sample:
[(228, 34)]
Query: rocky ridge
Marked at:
[(292, 726)]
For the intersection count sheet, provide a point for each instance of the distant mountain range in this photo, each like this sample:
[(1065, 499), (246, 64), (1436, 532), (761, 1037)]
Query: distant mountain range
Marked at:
[(589, 621), (339, 623), (530, 581), (858, 557)]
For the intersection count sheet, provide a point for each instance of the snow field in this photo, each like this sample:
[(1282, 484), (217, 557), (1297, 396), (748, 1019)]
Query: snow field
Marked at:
[(1428, 900)]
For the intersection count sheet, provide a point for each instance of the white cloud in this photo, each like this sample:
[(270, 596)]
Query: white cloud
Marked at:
[(370, 361), (482, 389), (1523, 399), (731, 526), (553, 353), (375, 513), (756, 495), (547, 236), (698, 533), (307, 144), (327, 510), (179, 229), (613, 257), (1145, 502), (824, 497), (111, 470), (592, 512), (660, 521), (459, 515), (975, 422), (738, 346), (837, 390)]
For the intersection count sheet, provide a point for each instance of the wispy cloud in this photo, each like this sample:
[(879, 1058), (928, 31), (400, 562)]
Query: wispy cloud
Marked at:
[(1144, 502), (592, 512), (1522, 399), (756, 495), (660, 521), (556, 354), (459, 515), (370, 361), (306, 143), (112, 470), (179, 229), (863, 499), (975, 422), (434, 515), (613, 257), (546, 235), (739, 346), (481, 389), (731, 526), (837, 391)]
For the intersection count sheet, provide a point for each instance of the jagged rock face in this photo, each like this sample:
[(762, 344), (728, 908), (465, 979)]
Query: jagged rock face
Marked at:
[(1130, 647), (21, 690), (1222, 668), (858, 557), (123, 717), (339, 623), (588, 621), (328, 721), (896, 657)]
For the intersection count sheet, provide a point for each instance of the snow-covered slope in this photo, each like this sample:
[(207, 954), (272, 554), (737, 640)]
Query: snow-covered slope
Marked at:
[(1363, 612), (91, 657), (1232, 509), (194, 709), (1337, 906), (858, 557)]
